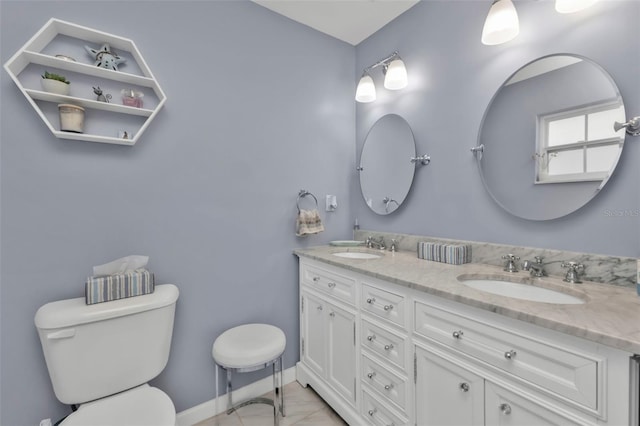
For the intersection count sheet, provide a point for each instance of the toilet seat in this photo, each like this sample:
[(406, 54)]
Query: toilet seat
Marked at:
[(140, 406)]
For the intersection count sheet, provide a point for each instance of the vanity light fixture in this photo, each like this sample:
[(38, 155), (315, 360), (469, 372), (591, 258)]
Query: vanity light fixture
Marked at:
[(501, 24), (395, 78), (570, 6)]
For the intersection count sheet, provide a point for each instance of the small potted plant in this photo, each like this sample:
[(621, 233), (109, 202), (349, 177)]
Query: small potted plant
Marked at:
[(55, 83)]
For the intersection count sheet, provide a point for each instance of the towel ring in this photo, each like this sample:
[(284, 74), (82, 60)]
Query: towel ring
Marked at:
[(303, 193)]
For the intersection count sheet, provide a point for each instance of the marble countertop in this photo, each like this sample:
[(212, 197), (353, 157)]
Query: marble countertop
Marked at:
[(610, 315)]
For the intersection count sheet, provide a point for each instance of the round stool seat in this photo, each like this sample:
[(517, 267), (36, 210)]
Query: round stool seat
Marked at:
[(249, 345)]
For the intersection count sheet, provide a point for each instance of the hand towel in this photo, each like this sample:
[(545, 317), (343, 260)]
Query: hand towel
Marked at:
[(308, 222)]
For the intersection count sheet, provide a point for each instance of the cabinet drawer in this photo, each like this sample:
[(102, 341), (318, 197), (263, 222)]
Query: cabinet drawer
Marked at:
[(339, 286), (387, 305), (566, 373), (388, 345), (376, 413), (390, 385)]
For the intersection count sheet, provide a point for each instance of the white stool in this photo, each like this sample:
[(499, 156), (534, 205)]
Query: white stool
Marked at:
[(252, 347)]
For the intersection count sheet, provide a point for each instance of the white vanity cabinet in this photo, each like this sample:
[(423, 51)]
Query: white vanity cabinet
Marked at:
[(328, 335), (426, 360)]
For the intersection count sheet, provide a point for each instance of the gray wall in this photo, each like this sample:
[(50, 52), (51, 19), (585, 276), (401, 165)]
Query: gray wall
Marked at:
[(208, 192), (452, 78)]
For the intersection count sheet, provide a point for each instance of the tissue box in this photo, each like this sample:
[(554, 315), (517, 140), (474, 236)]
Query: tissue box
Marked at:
[(105, 288), (445, 253)]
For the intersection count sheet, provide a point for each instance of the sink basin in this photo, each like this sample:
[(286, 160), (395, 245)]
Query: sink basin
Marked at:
[(357, 255), (521, 291)]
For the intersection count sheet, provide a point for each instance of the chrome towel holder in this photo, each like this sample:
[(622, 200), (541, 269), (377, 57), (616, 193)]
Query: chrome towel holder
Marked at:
[(303, 193)]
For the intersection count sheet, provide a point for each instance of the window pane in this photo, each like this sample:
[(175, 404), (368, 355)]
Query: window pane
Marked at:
[(602, 158), (567, 130), (601, 124), (566, 162)]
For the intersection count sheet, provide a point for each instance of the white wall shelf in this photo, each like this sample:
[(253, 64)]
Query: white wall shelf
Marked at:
[(60, 37)]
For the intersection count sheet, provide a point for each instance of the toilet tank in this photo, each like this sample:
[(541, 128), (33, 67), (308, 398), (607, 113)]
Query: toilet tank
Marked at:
[(93, 351)]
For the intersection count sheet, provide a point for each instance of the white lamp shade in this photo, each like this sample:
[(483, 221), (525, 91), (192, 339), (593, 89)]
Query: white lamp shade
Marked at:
[(570, 6), (366, 91), (396, 76), (502, 23)]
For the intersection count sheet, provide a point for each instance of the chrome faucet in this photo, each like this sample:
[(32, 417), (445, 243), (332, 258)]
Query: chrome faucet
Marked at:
[(510, 264), (371, 243), (572, 272), (535, 268), (394, 245)]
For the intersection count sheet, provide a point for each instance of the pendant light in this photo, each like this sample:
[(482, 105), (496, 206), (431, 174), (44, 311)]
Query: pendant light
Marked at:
[(570, 6), (395, 77), (501, 24)]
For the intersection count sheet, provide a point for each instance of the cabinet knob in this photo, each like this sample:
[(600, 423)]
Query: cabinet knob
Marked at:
[(388, 387), (458, 334), (331, 284), (332, 314), (319, 307), (371, 337), (316, 279), (510, 354), (464, 387), (372, 412), (371, 375), (371, 300), (388, 307), (505, 408), (387, 347)]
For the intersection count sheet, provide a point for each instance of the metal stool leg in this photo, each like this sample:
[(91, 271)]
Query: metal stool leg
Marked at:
[(281, 387), (230, 408)]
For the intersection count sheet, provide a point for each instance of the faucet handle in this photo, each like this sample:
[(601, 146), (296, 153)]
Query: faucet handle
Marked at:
[(538, 259), (572, 272), (510, 265), (393, 246)]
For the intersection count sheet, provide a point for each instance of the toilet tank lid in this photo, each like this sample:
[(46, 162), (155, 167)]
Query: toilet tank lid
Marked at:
[(72, 312)]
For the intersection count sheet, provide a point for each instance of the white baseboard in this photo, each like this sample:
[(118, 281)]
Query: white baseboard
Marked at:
[(218, 405)]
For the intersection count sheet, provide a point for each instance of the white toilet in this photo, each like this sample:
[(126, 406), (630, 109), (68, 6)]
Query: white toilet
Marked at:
[(101, 357)]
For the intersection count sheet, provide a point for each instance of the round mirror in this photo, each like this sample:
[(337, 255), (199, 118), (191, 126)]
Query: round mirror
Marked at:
[(386, 171), (547, 139)]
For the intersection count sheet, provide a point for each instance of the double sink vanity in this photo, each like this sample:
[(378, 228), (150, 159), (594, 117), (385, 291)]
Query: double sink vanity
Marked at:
[(390, 339)]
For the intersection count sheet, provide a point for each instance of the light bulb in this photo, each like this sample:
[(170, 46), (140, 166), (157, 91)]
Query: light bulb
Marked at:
[(570, 6), (366, 91), (502, 23), (396, 76)]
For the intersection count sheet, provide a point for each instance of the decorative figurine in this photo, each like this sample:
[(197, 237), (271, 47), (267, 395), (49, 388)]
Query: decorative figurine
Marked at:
[(105, 57), (101, 98)]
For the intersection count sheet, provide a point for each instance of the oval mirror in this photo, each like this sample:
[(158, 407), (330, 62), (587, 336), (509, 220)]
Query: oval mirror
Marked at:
[(386, 171), (547, 137)]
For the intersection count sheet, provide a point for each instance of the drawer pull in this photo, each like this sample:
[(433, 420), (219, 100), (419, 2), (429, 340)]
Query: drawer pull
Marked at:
[(332, 314), (457, 334), (388, 307), (372, 412), (388, 347), (371, 375), (371, 300), (510, 354), (464, 387), (331, 284), (506, 409), (388, 387), (371, 337), (316, 279)]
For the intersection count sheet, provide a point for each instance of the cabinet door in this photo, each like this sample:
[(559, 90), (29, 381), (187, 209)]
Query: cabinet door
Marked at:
[(447, 394), (314, 352), (342, 351), (504, 408)]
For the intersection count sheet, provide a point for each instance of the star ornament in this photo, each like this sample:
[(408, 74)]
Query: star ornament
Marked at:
[(105, 57)]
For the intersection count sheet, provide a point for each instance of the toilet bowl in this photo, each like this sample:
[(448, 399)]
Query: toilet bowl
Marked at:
[(100, 357)]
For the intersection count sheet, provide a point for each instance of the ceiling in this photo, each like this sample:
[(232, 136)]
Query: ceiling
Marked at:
[(351, 21)]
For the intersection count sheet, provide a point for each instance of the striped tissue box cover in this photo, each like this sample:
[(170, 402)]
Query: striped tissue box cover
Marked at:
[(105, 288), (445, 253)]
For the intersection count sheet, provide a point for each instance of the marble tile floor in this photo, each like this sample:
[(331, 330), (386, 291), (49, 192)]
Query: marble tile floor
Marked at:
[(303, 407)]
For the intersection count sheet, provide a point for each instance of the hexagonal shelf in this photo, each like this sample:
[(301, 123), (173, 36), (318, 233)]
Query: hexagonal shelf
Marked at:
[(59, 47)]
